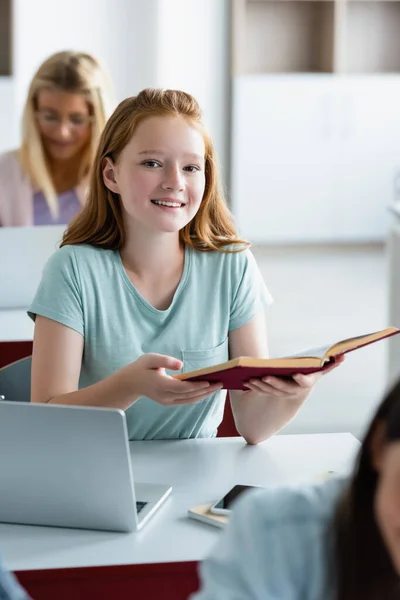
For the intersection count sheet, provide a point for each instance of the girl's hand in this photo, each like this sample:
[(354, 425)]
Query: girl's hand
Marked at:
[(147, 377), (279, 387)]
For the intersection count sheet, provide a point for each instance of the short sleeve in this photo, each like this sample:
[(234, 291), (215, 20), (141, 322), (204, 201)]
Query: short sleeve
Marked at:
[(59, 295), (250, 293)]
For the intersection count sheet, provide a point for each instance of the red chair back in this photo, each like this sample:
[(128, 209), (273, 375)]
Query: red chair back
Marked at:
[(12, 351), (227, 427)]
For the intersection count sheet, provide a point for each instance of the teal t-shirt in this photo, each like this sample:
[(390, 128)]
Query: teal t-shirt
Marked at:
[(88, 290)]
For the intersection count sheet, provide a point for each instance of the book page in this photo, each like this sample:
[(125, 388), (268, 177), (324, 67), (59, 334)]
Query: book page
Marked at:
[(360, 340), (311, 352), (346, 344)]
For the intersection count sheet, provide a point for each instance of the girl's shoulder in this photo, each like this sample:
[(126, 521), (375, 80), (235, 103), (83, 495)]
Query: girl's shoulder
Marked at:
[(231, 254), (83, 253), (77, 262)]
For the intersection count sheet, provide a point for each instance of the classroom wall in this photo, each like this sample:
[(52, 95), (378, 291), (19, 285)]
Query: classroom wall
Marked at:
[(167, 43)]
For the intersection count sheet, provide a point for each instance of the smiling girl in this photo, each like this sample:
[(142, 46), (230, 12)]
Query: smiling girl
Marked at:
[(152, 279)]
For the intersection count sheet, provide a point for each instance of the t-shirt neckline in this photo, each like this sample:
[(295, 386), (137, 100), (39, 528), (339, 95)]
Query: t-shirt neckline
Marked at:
[(133, 290)]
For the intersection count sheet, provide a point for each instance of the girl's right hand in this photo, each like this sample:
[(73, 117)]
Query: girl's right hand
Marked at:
[(147, 377)]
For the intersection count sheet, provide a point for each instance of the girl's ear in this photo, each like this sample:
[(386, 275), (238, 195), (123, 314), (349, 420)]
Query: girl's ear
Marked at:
[(108, 170), (378, 445)]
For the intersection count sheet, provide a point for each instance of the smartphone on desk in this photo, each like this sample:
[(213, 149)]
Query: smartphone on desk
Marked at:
[(224, 505)]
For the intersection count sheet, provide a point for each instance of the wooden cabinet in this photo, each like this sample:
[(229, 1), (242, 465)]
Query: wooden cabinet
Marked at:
[(371, 37), (314, 36), (5, 37), (281, 36)]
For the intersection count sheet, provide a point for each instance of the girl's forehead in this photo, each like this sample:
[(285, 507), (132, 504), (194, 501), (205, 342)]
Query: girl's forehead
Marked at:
[(161, 126), (167, 134)]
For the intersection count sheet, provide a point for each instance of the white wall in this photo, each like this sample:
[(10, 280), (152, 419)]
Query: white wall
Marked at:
[(121, 33), (43, 27), (143, 43), (194, 56), (78, 26)]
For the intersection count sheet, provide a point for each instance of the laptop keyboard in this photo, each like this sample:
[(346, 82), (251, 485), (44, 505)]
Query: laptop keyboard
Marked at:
[(140, 506)]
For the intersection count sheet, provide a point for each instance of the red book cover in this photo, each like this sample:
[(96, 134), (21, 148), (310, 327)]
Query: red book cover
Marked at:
[(235, 372)]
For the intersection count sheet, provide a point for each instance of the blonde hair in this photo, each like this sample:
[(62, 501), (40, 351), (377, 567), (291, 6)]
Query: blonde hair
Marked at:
[(100, 222), (77, 73)]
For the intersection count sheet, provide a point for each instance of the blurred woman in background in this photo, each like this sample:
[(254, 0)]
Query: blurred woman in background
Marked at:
[(44, 181)]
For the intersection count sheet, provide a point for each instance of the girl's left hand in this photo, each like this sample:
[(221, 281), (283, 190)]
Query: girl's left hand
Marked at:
[(279, 387)]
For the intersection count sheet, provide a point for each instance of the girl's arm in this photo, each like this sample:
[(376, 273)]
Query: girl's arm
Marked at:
[(56, 367), (270, 404)]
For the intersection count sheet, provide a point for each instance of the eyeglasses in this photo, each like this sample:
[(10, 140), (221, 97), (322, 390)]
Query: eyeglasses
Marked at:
[(75, 122)]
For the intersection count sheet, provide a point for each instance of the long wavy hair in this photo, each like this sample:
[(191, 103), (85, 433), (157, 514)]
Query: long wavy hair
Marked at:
[(365, 569), (100, 222), (77, 73)]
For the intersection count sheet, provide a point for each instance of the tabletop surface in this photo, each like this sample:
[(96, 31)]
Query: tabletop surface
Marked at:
[(200, 471)]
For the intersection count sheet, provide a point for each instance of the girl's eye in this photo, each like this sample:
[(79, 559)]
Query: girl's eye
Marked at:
[(192, 168), (151, 163)]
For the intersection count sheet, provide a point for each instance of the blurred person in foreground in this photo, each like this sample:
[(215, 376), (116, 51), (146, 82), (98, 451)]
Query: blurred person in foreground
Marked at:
[(337, 540)]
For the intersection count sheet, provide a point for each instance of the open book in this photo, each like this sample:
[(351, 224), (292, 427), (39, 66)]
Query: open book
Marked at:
[(237, 371)]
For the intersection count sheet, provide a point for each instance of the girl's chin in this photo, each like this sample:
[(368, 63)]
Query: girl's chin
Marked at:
[(170, 225)]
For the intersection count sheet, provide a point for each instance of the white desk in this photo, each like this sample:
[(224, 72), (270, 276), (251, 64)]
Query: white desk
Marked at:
[(199, 471), (15, 326)]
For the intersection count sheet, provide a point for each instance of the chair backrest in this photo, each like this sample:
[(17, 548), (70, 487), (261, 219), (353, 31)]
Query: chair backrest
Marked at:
[(15, 381), (14, 350), (227, 427)]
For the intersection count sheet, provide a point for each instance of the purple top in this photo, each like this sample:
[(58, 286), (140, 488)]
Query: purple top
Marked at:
[(68, 203)]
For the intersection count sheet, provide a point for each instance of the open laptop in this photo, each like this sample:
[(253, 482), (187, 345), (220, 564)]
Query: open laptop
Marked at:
[(24, 252), (70, 466)]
